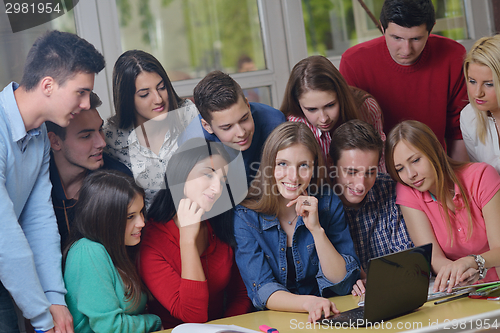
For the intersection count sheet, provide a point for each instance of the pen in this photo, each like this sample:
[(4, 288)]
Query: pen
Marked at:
[(451, 298), (267, 329)]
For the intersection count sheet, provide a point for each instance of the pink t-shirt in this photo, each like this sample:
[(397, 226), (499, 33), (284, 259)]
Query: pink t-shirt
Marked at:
[(481, 182)]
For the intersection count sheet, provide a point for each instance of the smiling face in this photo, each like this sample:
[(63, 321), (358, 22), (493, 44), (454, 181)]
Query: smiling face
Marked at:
[(357, 173), (405, 44), (135, 221), (293, 171), (205, 182), (414, 168), (321, 108), (150, 98), (233, 126), (84, 141), (70, 98), (481, 88)]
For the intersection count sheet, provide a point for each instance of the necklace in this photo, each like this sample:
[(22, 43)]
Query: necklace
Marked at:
[(494, 120), (290, 222)]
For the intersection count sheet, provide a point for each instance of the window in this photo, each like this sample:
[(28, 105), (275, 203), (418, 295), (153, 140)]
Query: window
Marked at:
[(193, 37), (14, 47)]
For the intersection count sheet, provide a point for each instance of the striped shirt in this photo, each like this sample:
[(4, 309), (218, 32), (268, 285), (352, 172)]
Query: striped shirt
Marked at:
[(370, 110)]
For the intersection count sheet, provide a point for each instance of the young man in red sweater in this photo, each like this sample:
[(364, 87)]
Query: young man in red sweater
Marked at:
[(411, 73)]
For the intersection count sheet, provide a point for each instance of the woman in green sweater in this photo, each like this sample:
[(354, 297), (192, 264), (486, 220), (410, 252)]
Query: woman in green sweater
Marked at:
[(105, 292)]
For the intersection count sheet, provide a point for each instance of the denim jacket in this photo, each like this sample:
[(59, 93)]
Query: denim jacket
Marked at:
[(261, 252)]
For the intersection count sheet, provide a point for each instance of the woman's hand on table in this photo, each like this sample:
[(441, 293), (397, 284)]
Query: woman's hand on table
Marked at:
[(459, 272), (316, 306)]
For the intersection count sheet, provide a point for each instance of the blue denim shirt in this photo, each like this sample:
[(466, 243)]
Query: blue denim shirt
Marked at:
[(261, 252), (30, 250)]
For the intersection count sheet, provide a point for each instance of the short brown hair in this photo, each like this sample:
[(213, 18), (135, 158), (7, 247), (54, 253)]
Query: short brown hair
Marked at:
[(216, 92), (60, 55), (355, 134)]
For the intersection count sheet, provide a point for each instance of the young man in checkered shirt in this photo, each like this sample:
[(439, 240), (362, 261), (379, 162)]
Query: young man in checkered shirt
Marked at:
[(375, 221)]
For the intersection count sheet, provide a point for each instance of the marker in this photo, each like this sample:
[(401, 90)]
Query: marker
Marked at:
[(484, 292), (492, 286), (267, 329)]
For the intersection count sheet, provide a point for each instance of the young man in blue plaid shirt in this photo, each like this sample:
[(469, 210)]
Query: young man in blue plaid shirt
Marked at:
[(375, 221)]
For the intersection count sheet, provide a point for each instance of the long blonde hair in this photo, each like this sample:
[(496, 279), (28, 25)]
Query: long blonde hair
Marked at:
[(424, 140), (260, 195), (486, 52)]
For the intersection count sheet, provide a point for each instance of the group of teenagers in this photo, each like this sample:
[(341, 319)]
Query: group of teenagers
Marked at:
[(153, 227)]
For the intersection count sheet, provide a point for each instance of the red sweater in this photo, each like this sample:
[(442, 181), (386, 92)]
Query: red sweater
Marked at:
[(432, 90), (180, 300)]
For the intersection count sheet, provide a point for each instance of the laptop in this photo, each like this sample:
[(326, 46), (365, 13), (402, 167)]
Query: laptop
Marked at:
[(396, 284)]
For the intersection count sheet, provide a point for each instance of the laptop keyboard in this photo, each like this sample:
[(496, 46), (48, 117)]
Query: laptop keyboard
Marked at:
[(352, 317)]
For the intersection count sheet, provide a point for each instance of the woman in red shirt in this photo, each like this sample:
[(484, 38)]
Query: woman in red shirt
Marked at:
[(186, 257)]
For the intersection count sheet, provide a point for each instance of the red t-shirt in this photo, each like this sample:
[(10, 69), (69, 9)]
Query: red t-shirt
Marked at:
[(180, 300)]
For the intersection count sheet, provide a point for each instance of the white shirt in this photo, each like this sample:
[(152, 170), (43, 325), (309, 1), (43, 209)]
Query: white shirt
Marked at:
[(489, 151), (148, 167)]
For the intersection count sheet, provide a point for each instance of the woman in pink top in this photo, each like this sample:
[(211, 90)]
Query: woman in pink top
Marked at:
[(318, 95), (453, 205)]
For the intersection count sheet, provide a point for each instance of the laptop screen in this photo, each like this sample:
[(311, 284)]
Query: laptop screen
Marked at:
[(397, 283)]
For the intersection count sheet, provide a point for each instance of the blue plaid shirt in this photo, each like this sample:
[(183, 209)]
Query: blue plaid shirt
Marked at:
[(378, 227)]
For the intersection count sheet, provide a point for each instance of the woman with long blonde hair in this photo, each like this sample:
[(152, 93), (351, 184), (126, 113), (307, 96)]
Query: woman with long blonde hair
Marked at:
[(478, 120)]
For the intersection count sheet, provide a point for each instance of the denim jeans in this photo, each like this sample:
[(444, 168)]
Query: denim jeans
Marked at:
[(8, 317)]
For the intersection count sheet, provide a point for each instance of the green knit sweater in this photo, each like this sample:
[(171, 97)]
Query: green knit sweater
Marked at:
[(95, 295)]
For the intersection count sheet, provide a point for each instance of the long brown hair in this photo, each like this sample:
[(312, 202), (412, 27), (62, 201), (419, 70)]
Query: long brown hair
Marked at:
[(261, 197), (101, 216), (318, 73), (128, 66), (425, 141)]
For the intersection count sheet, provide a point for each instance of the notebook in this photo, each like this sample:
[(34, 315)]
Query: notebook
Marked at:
[(395, 284)]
